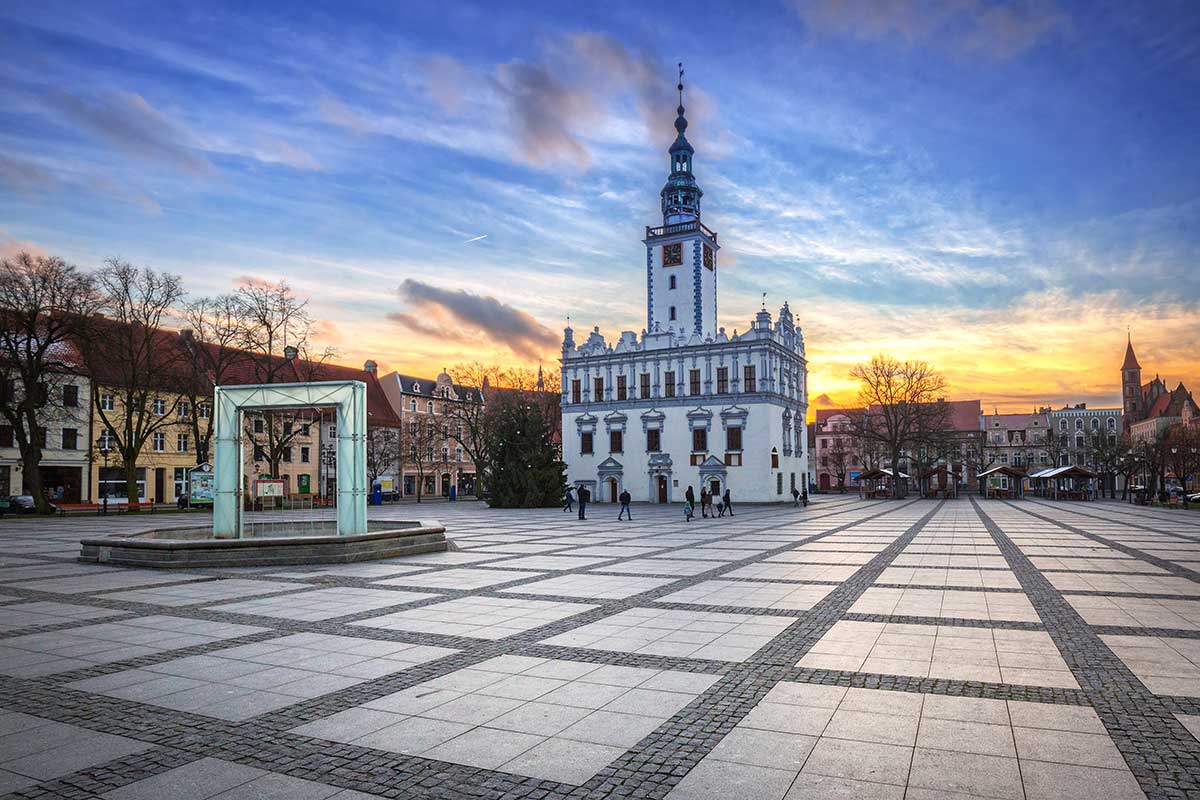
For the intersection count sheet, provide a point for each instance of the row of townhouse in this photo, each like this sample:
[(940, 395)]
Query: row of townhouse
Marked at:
[(81, 425)]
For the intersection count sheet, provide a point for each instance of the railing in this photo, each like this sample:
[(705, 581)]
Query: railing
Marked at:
[(680, 227)]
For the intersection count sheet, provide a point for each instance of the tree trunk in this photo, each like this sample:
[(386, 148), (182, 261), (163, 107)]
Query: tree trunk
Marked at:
[(131, 489), (31, 461)]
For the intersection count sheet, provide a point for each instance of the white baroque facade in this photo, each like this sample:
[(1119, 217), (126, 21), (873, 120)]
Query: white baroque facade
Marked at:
[(684, 404)]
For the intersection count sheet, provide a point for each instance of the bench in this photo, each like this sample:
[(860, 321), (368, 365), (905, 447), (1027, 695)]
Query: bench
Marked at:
[(76, 508)]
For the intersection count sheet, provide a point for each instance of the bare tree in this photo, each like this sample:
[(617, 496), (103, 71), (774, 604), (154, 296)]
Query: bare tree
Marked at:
[(383, 453), (275, 331), (900, 407), (134, 361), (212, 343), (1105, 457), (1183, 453), (424, 437), (841, 456), (43, 301)]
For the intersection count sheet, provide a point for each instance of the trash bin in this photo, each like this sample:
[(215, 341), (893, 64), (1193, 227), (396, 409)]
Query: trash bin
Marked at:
[(377, 495), (453, 493)]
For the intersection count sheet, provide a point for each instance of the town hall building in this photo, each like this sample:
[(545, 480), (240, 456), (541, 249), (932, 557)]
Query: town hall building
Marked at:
[(686, 404)]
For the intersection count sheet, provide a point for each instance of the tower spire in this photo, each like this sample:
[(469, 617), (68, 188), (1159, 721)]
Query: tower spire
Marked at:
[(681, 196)]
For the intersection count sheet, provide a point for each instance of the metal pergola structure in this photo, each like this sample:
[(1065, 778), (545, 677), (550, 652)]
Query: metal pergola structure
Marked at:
[(1018, 476), (1052, 478)]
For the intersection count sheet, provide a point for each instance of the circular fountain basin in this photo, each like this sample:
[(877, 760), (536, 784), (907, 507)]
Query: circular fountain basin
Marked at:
[(268, 544)]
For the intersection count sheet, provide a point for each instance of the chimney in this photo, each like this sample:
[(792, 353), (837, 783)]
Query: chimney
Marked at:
[(290, 353), (370, 366)]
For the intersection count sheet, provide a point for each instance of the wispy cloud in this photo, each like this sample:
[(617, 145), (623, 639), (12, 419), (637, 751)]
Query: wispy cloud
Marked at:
[(129, 123), (995, 29)]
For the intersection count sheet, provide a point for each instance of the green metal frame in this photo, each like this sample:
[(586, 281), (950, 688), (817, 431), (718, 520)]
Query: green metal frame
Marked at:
[(349, 398)]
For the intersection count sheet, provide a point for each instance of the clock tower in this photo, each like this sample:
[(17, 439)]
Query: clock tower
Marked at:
[(681, 254)]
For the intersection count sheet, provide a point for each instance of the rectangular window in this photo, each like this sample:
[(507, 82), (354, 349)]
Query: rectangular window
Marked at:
[(615, 443), (576, 392), (653, 441), (644, 379), (621, 388), (40, 437), (699, 440), (70, 439), (70, 396), (6, 436), (259, 453), (693, 382), (181, 442), (184, 409), (287, 455), (306, 429), (180, 481), (258, 425), (305, 455), (733, 439), (204, 410), (160, 407), (722, 380), (598, 389), (748, 383), (669, 384), (107, 402), (585, 443), (8, 389), (160, 442)]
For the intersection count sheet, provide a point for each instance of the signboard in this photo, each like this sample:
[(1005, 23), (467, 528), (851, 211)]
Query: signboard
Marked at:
[(201, 485), (268, 487), (386, 483), (302, 484)]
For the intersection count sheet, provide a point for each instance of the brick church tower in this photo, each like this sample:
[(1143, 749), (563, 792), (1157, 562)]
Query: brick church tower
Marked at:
[(1131, 387)]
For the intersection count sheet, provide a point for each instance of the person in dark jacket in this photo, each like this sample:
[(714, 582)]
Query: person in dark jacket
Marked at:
[(795, 497), (703, 502), (728, 503), (584, 496), (624, 498), (568, 500), (689, 498), (804, 497)]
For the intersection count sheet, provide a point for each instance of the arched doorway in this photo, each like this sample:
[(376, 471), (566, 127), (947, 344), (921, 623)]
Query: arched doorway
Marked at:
[(612, 490), (714, 487)]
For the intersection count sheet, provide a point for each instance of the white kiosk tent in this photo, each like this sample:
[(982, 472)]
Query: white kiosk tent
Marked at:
[(1050, 481), (348, 398)]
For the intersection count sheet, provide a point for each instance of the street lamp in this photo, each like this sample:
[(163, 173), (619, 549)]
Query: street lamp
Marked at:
[(103, 444)]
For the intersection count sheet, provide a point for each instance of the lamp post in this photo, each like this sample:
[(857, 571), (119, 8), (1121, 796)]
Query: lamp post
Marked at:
[(103, 445)]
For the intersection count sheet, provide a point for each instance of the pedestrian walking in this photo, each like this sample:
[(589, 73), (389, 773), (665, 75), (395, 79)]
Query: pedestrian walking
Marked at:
[(568, 499), (704, 503), (624, 498), (728, 503), (795, 497), (804, 497), (689, 504), (584, 496)]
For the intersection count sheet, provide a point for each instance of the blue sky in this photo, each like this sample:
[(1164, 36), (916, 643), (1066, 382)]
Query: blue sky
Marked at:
[(999, 188)]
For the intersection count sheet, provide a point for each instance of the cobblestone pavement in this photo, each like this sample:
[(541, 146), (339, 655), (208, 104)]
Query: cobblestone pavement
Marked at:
[(915, 649)]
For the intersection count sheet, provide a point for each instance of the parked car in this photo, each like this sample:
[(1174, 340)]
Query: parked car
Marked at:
[(1194, 497)]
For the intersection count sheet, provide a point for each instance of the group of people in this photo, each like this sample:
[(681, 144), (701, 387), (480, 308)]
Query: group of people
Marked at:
[(723, 501)]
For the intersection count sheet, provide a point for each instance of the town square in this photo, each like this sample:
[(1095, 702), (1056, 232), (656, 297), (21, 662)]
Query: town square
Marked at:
[(789, 400)]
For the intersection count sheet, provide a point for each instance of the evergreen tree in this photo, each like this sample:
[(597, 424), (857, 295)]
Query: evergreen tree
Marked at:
[(526, 471)]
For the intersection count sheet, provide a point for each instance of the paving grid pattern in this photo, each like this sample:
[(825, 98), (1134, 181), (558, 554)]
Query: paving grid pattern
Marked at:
[(821, 562)]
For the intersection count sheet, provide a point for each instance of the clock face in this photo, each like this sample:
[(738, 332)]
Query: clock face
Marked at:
[(672, 254), (708, 257)]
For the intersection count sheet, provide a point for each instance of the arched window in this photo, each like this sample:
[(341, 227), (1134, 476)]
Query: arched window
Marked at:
[(1095, 425), (412, 405), (1079, 441), (1112, 423), (671, 282), (429, 406), (1062, 424), (1078, 424), (672, 313)]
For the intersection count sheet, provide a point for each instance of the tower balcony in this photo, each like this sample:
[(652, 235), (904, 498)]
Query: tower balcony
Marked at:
[(674, 229)]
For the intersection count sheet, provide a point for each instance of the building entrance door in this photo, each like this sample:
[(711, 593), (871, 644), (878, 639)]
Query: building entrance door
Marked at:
[(160, 485), (662, 488), (612, 490), (714, 486), (824, 481)]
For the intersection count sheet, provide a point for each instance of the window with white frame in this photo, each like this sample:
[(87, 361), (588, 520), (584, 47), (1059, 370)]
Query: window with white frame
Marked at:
[(160, 442), (159, 406), (108, 402), (181, 442)]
